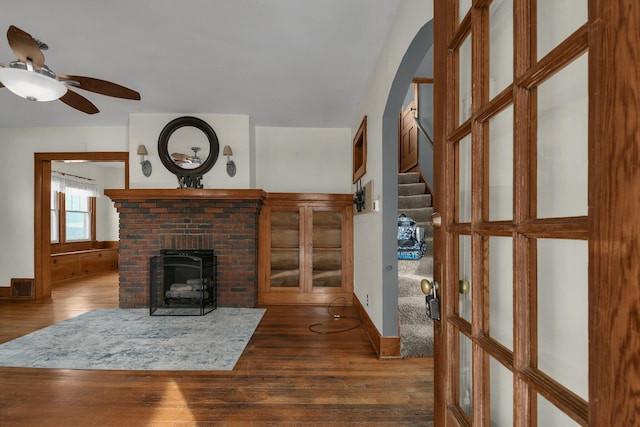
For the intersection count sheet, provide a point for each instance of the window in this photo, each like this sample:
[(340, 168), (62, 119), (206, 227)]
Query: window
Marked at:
[(77, 217), (73, 201), (55, 217)]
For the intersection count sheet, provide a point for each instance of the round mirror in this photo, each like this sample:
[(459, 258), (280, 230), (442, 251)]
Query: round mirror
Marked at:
[(188, 146)]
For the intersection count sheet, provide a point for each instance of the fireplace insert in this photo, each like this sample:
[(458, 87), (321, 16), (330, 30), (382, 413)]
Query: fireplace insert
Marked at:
[(183, 282)]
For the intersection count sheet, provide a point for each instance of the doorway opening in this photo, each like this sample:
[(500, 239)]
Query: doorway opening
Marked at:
[(42, 206), (403, 80)]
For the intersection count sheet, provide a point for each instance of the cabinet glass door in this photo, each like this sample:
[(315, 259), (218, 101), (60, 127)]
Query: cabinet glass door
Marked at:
[(286, 245), (326, 257)]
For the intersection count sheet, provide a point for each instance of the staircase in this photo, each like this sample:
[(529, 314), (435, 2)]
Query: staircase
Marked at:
[(416, 329)]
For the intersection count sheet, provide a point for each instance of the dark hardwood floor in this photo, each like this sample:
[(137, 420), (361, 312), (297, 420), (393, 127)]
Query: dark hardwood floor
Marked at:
[(287, 375)]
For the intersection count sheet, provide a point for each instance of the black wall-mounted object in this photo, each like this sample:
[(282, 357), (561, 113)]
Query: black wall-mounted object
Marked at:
[(360, 198)]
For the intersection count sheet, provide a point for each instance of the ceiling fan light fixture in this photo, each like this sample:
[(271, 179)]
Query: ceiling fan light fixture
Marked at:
[(32, 85)]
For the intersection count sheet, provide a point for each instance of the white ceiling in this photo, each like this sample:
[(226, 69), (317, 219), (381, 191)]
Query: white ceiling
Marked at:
[(293, 63)]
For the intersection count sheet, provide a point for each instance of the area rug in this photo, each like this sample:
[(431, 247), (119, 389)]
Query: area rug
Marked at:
[(130, 339)]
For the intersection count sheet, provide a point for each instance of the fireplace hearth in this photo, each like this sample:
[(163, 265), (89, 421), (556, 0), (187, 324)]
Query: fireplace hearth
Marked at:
[(183, 283)]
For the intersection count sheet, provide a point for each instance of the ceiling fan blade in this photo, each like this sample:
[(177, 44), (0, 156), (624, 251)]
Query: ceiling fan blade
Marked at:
[(25, 47), (102, 87), (79, 102)]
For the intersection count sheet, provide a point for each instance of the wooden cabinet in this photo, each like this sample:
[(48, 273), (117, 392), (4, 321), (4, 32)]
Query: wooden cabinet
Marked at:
[(305, 249)]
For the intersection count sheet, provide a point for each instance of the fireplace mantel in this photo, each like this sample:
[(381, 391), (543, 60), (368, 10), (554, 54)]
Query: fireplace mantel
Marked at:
[(183, 194)]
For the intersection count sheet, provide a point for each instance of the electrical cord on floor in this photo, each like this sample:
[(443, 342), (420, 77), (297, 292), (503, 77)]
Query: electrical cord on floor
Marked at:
[(335, 315)]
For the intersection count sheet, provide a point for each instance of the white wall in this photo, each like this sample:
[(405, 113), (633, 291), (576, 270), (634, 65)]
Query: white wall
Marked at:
[(17, 189), (109, 229), (231, 129), (270, 158), (411, 17), (305, 160)]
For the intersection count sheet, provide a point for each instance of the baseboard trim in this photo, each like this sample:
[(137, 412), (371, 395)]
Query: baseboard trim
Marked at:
[(385, 347)]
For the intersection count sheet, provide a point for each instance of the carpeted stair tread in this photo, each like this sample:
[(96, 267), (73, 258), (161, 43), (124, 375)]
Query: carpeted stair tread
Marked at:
[(417, 214), (411, 189), (414, 201), (408, 177)]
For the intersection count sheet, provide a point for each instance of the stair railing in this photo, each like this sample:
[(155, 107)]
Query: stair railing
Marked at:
[(423, 131)]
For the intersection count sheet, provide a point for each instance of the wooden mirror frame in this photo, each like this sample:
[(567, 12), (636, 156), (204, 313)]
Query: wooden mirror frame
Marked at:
[(360, 151), (163, 146)]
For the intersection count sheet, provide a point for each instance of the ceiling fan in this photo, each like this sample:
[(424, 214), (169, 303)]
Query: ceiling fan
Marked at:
[(30, 78)]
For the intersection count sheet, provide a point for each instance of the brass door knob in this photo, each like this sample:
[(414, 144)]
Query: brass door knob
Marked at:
[(427, 286), (464, 286), (435, 220)]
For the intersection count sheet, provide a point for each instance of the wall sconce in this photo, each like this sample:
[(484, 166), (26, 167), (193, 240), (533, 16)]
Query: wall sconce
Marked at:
[(146, 164), (231, 165)]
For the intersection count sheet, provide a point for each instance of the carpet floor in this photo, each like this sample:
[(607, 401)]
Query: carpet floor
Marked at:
[(132, 340)]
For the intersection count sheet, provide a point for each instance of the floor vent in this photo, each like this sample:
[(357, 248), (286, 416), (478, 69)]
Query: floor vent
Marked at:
[(22, 289)]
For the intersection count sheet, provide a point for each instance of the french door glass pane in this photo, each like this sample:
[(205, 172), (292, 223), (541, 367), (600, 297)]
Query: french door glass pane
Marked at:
[(549, 415), (501, 45), (464, 303), (501, 166), (466, 380), (464, 179), (562, 142), (501, 406), (563, 312), (465, 5), (501, 290), (557, 20), (464, 82)]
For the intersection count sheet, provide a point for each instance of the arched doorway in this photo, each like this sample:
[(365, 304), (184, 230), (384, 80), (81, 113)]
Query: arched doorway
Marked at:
[(415, 54)]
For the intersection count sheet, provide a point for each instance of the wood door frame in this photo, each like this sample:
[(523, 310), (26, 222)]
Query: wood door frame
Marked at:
[(614, 203), (613, 225), (42, 206)]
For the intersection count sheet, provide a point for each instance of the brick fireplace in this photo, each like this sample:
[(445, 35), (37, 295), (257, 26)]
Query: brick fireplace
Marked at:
[(223, 220)]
